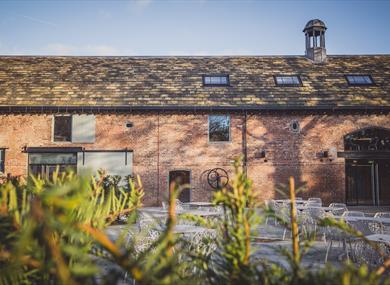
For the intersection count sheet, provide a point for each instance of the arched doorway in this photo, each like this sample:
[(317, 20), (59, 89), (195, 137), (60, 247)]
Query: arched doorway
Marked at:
[(367, 167), (181, 177)]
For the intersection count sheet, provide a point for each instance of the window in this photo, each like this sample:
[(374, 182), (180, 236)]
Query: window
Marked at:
[(75, 128), (2, 156), (219, 128), (359, 80), (216, 80), (62, 128), (288, 80), (45, 164), (294, 126)]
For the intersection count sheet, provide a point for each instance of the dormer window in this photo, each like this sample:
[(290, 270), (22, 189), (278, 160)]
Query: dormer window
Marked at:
[(288, 80), (359, 80), (216, 80)]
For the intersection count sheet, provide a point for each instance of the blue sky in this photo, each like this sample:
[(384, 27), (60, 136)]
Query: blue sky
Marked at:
[(189, 27)]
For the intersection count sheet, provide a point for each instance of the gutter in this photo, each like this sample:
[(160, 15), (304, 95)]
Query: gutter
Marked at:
[(127, 109)]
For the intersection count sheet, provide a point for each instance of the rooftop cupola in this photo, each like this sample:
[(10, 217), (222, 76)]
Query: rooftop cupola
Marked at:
[(315, 40)]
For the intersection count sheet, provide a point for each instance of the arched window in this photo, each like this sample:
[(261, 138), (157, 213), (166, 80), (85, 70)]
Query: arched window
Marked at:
[(368, 139), (367, 167)]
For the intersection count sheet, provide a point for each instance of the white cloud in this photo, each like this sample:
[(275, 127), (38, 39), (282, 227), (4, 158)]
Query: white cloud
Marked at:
[(64, 49)]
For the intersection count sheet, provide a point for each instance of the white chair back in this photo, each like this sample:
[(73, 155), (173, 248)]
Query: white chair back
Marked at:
[(339, 208), (337, 205), (316, 200), (179, 205), (313, 204), (164, 205), (353, 214), (382, 215)]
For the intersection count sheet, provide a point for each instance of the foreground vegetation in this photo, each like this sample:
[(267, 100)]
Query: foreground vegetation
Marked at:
[(52, 232)]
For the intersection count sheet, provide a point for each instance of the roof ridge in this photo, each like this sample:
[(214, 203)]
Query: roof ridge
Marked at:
[(184, 56)]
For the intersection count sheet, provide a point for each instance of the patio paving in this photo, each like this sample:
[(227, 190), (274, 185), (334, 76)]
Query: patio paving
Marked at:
[(268, 246)]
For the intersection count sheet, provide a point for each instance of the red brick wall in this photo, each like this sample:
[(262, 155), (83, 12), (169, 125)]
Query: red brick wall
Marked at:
[(182, 143)]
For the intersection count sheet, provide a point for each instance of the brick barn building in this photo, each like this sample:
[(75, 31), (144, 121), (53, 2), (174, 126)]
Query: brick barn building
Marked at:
[(322, 118)]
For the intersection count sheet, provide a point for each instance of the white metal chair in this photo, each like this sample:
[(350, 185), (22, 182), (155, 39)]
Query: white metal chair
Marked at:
[(353, 214), (379, 227), (313, 204), (313, 215), (179, 205), (164, 205), (270, 205), (339, 208), (335, 235), (363, 253), (281, 211), (149, 227), (315, 200)]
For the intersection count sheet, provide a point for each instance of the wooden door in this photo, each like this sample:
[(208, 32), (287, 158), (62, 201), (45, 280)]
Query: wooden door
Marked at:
[(180, 178)]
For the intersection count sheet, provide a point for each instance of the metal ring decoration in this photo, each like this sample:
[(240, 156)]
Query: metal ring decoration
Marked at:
[(217, 178)]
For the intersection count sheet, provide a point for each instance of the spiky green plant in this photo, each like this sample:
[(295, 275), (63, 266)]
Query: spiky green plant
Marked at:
[(52, 231)]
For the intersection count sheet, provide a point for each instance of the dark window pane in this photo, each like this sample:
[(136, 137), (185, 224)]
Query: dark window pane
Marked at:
[(219, 128), (216, 80), (288, 80), (62, 128), (52, 158), (44, 164), (2, 152), (359, 79)]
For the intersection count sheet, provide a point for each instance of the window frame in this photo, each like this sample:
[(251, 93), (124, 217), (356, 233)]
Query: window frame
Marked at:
[(42, 165), (53, 128), (2, 161), (288, 85), (215, 85), (359, 84), (208, 129)]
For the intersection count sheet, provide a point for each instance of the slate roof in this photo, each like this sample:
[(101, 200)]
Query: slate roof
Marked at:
[(157, 82)]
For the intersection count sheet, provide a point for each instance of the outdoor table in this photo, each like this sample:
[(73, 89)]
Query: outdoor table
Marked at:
[(199, 204), (365, 227), (366, 219), (379, 238), (326, 209), (288, 201), (161, 211), (188, 229), (201, 213)]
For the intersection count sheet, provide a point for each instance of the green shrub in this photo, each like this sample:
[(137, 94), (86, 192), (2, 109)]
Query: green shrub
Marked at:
[(52, 232)]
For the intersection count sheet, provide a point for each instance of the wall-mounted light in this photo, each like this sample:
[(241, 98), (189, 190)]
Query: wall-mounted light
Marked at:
[(330, 154)]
